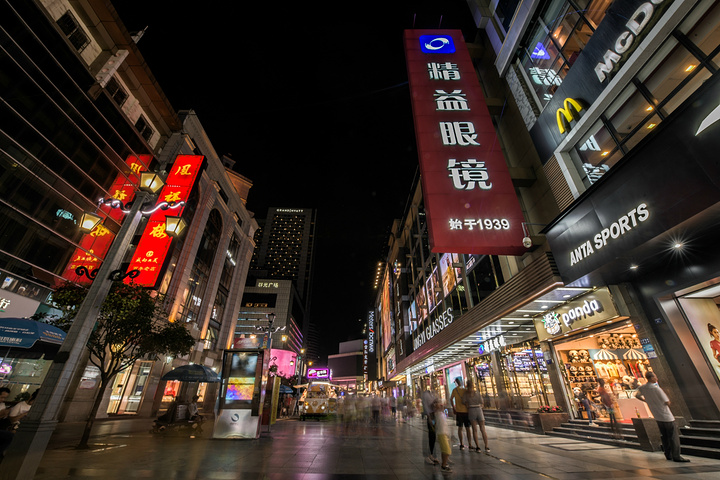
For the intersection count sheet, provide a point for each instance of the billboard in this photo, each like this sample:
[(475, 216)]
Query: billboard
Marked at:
[(154, 244), (469, 196)]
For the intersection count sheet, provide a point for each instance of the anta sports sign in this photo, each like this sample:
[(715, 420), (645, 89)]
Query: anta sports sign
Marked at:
[(621, 31)]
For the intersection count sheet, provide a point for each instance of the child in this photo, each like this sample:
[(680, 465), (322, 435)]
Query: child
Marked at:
[(443, 435)]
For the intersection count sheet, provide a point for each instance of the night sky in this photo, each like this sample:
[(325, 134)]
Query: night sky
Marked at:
[(311, 100)]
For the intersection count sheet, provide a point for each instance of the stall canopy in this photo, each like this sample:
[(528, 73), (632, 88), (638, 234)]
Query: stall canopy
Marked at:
[(192, 373), (24, 333)]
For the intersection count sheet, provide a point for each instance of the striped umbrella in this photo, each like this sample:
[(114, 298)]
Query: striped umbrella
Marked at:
[(605, 355), (634, 355)]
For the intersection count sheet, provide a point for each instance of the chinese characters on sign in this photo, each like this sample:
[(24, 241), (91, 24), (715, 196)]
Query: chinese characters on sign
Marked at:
[(94, 246), (468, 193), (154, 244)]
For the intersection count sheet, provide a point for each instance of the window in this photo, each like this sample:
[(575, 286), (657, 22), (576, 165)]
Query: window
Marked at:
[(144, 128), (73, 32), (118, 94)]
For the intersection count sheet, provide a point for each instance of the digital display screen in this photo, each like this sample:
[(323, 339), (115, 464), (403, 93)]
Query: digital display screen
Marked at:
[(241, 369)]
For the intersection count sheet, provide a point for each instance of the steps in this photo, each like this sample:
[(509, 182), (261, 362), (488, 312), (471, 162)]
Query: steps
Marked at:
[(513, 419), (701, 438), (602, 433)]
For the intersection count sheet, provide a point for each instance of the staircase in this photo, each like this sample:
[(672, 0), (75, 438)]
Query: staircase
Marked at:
[(602, 433), (513, 419), (701, 438)]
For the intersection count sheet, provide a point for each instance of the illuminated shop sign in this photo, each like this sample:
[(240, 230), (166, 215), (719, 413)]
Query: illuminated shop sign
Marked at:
[(590, 309), (493, 344), (155, 242), (93, 246), (434, 326), (318, 373), (628, 40), (616, 230), (365, 357), (371, 331), (4, 303), (468, 193), (621, 31)]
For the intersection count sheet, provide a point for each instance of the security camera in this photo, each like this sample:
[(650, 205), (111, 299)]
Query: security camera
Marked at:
[(527, 242)]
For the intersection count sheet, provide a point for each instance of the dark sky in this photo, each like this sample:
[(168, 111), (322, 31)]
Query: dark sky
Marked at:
[(311, 100)]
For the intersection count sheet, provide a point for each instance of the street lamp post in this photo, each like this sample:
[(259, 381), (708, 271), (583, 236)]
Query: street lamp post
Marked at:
[(24, 454)]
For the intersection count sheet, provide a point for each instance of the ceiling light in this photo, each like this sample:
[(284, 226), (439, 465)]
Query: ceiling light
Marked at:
[(544, 307), (651, 126), (633, 267), (649, 109), (605, 153), (690, 68), (677, 245), (566, 296)]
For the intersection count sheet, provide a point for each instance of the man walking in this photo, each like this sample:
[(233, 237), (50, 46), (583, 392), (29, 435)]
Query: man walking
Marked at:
[(457, 399), (428, 399), (659, 405)]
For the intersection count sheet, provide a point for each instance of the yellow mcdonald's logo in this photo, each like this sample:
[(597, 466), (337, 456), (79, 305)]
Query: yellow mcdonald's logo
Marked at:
[(567, 112)]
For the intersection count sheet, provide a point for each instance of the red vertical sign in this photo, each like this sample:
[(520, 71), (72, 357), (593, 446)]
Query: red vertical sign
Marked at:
[(94, 245), (155, 243), (469, 197)]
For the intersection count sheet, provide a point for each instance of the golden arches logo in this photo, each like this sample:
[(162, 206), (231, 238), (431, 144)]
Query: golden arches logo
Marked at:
[(567, 112)]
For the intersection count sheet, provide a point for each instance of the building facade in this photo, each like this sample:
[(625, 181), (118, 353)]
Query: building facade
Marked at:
[(602, 100), (84, 114)]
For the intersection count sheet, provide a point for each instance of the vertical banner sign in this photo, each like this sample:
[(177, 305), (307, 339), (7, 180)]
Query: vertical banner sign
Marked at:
[(94, 245), (154, 244), (469, 197)]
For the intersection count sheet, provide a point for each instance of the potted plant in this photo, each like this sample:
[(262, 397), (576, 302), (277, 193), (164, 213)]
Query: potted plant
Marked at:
[(551, 416)]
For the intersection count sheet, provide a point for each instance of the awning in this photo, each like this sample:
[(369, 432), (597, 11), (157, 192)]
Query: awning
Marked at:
[(24, 333)]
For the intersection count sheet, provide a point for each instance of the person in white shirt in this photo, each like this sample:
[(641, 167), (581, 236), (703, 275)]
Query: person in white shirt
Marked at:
[(21, 409), (443, 435), (659, 405), (4, 392)]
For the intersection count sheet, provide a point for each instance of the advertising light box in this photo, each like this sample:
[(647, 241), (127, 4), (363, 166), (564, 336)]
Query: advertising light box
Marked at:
[(469, 197)]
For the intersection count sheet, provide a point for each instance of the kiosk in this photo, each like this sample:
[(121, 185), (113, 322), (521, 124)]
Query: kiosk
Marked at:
[(239, 408)]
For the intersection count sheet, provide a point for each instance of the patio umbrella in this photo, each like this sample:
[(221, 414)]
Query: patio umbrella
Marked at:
[(192, 373), (24, 333)]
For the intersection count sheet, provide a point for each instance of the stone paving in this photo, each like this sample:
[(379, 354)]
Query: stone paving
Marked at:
[(315, 450)]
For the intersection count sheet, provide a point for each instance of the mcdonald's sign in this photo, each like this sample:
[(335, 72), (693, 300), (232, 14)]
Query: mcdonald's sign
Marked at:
[(565, 114)]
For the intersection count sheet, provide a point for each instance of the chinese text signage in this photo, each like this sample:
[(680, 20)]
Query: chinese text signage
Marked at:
[(155, 242), (469, 196)]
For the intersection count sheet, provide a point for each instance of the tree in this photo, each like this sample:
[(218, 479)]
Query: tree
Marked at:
[(131, 325)]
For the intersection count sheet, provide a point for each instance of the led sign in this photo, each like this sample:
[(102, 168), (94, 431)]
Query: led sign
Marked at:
[(590, 309), (469, 197), (567, 112), (540, 52), (318, 373), (371, 331), (154, 244)]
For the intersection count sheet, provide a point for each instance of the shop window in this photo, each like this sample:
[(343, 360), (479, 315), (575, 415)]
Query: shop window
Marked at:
[(641, 131), (667, 69), (628, 111), (596, 153), (593, 10), (704, 33), (616, 355), (565, 25), (686, 90)]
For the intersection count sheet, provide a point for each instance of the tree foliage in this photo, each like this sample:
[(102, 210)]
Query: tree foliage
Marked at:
[(131, 325)]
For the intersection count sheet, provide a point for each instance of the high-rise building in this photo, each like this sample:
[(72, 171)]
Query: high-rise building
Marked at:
[(285, 247)]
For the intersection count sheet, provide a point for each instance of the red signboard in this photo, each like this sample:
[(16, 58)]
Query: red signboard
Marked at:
[(94, 245), (154, 244), (469, 197)]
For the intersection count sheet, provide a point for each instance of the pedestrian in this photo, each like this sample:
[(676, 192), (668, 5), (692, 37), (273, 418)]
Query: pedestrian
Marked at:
[(460, 410), (582, 398), (4, 393), (473, 400), (375, 405), (428, 401), (5, 435), (443, 435), (193, 410), (393, 406), (608, 400), (21, 409), (659, 405)]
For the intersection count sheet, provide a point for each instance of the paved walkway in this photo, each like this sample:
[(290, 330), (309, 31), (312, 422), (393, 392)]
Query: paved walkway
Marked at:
[(314, 450)]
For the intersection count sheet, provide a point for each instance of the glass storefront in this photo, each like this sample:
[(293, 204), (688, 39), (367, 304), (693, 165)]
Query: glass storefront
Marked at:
[(613, 353)]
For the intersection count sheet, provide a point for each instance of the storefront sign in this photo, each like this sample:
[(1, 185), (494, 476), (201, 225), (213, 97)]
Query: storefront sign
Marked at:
[(435, 326), (371, 331), (590, 309), (154, 244), (647, 205), (493, 344), (469, 197), (621, 31), (318, 373)]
